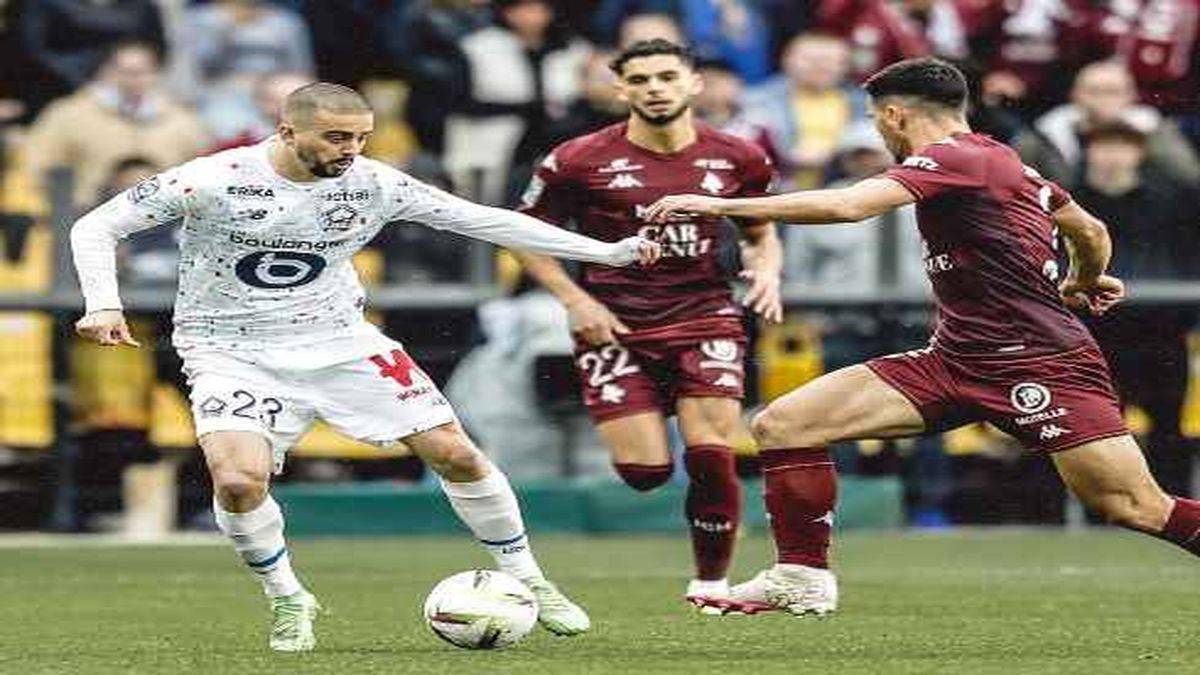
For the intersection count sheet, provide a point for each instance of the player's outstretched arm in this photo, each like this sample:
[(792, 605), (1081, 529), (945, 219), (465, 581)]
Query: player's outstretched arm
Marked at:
[(512, 230), (1090, 249), (589, 318), (864, 199)]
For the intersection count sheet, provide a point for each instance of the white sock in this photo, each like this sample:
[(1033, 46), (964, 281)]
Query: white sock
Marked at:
[(489, 507), (258, 537)]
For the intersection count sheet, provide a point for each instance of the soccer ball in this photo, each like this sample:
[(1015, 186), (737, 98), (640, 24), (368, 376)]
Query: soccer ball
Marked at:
[(481, 609)]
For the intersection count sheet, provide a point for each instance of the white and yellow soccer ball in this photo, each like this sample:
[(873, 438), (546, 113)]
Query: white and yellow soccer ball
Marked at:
[(481, 609)]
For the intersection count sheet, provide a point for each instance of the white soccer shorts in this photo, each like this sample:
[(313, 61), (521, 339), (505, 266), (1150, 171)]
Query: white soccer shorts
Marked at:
[(379, 398)]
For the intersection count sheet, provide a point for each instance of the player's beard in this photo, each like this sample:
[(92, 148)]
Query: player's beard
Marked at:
[(663, 119), (318, 168)]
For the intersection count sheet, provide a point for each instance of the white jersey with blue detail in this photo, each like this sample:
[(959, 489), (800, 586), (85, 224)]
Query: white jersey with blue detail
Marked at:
[(265, 261)]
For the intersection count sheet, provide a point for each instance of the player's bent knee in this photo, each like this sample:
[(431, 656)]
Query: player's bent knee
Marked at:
[(239, 490), (644, 477), (772, 429)]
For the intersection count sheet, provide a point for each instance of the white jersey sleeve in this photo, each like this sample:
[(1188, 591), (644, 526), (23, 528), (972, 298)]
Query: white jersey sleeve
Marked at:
[(421, 203), (154, 201)]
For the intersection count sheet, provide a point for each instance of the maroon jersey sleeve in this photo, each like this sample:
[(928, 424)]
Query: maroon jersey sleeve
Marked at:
[(1058, 197), (552, 193), (940, 168), (757, 173), (1051, 195)]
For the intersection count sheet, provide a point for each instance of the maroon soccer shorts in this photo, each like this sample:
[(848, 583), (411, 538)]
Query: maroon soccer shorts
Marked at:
[(621, 380), (1049, 403)]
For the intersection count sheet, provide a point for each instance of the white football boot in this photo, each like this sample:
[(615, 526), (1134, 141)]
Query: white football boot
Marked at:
[(796, 589), (292, 626), (698, 589), (555, 611)]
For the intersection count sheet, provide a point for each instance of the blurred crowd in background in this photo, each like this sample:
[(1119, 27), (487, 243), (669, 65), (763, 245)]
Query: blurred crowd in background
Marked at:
[(1100, 95)]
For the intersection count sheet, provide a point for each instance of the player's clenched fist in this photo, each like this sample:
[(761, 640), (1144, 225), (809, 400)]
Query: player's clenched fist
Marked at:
[(593, 322), (673, 207), (107, 327), (637, 249)]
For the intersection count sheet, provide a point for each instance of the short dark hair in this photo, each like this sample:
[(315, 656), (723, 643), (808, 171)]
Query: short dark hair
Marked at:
[(718, 65), (654, 47), (928, 80), (303, 103)]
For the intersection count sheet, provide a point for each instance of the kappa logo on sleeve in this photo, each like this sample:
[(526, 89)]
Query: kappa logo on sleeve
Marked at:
[(921, 162), (534, 192)]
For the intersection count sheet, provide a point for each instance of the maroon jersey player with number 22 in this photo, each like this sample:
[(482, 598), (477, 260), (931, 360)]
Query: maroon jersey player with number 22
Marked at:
[(1006, 348), (653, 342)]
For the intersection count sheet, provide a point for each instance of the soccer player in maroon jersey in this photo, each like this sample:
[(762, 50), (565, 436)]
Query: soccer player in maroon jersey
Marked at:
[(670, 340), (1006, 348)]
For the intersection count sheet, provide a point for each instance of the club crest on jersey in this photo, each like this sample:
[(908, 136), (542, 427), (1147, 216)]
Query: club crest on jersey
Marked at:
[(612, 393), (250, 192), (722, 355), (143, 189), (920, 162), (338, 219), (620, 165), (533, 192), (721, 350), (1029, 397), (712, 183)]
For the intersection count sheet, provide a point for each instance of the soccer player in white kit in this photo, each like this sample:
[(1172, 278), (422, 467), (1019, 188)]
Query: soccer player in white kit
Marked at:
[(269, 323)]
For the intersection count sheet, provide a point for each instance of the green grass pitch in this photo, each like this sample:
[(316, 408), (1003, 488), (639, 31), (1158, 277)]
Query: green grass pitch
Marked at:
[(964, 603)]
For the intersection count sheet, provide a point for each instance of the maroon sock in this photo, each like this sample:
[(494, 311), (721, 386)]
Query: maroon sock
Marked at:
[(645, 477), (800, 489), (713, 507), (1183, 525)]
